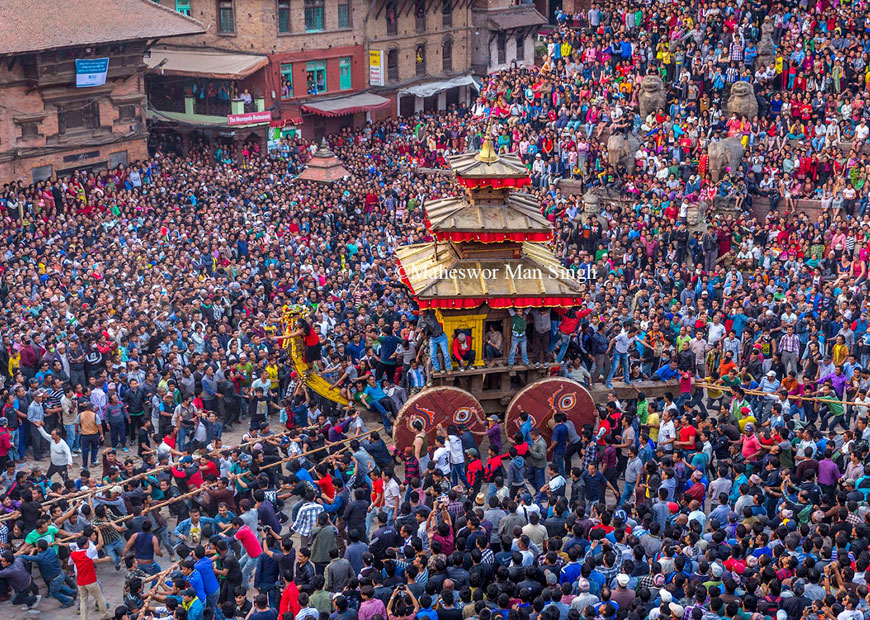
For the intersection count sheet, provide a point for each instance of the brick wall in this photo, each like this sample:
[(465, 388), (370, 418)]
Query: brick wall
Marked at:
[(407, 38), (23, 104), (256, 27)]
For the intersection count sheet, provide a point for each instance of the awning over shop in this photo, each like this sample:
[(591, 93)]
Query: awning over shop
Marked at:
[(343, 106), (432, 88), (203, 63), (516, 17)]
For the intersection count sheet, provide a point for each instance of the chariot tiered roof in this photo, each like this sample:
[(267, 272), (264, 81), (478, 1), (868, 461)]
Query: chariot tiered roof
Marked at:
[(489, 243)]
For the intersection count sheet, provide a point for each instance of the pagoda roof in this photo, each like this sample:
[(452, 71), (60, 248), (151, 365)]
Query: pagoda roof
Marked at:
[(440, 278), (470, 166), (519, 218), (487, 168), (324, 166)]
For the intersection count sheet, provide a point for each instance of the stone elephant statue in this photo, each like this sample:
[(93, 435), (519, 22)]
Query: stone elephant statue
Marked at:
[(724, 155), (621, 149), (742, 101), (651, 96)]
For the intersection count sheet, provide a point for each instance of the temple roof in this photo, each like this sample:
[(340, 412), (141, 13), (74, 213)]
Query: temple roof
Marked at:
[(518, 219), (324, 166), (487, 164), (439, 277)]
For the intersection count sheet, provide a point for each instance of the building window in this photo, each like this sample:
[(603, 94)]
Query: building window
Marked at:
[(42, 173), (315, 76), (345, 81), (183, 7), (313, 15), (392, 19), (226, 17), (286, 81), (78, 116), (521, 47), (283, 16), (420, 15), (447, 56), (420, 58), (501, 47), (29, 130), (126, 113), (446, 12), (344, 15), (393, 65)]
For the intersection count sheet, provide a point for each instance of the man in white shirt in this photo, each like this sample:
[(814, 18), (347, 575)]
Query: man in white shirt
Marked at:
[(667, 432), (441, 456), (392, 494), (715, 331), (59, 450), (457, 456)]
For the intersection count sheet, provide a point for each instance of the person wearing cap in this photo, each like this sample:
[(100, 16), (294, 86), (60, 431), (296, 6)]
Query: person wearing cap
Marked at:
[(586, 597), (750, 446), (493, 432), (192, 603), (745, 416), (622, 595)]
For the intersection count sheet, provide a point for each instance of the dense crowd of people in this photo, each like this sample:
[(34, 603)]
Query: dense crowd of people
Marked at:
[(142, 320)]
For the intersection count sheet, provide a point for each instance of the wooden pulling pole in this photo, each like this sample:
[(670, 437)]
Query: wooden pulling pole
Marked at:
[(161, 579), (156, 506), (94, 491), (151, 472), (324, 447), (724, 388), (206, 487)]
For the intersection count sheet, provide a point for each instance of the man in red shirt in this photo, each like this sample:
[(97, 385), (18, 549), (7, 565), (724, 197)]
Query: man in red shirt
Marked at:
[(687, 434), (85, 556)]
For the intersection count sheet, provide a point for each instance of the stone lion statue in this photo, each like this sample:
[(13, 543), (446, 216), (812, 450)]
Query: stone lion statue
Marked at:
[(724, 156), (621, 149), (651, 96), (742, 101)]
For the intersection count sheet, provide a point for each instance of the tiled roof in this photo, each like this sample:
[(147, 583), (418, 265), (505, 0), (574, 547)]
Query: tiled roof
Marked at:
[(516, 17), (324, 167), (436, 271), (34, 25), (520, 213), (468, 165)]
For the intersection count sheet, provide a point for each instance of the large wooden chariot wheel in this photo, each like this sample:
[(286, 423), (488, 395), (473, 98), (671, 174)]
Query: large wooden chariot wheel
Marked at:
[(434, 406), (544, 399)]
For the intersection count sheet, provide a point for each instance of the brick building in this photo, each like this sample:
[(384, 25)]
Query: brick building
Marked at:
[(72, 88), (300, 54), (319, 65), (424, 52), (504, 34)]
